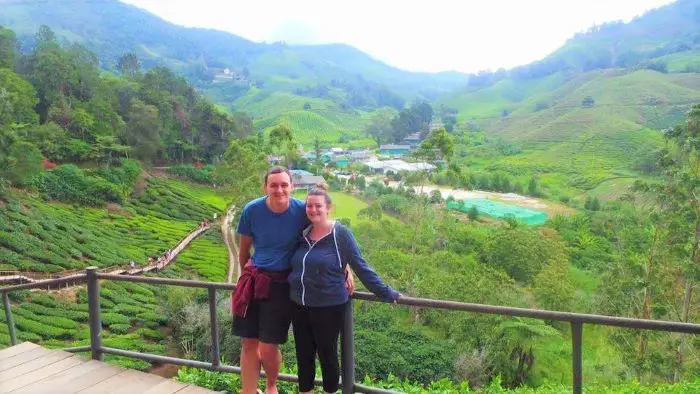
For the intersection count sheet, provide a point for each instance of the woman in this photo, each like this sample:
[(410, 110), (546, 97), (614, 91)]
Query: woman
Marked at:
[(317, 286)]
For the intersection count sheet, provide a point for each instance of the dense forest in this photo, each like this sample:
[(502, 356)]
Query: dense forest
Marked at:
[(58, 107)]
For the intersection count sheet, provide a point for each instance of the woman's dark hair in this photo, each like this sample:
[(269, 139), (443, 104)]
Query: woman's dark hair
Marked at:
[(321, 189), (278, 170)]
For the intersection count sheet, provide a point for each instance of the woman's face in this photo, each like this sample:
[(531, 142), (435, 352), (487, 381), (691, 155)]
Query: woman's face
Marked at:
[(317, 209)]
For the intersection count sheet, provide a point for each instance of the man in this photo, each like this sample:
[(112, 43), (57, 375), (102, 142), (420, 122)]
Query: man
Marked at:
[(261, 305)]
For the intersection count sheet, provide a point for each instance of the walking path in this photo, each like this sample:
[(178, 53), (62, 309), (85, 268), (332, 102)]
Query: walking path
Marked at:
[(14, 277), (230, 240)]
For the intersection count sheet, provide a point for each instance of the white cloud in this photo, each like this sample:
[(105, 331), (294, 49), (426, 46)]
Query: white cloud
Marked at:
[(431, 35)]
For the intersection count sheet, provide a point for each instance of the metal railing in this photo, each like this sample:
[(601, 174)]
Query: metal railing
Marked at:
[(93, 277)]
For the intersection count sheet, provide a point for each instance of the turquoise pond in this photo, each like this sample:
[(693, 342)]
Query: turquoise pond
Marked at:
[(500, 210)]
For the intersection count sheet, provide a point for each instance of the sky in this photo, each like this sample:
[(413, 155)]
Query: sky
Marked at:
[(427, 35)]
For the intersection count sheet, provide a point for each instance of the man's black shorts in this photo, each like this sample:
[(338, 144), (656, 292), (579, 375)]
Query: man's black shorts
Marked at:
[(267, 320)]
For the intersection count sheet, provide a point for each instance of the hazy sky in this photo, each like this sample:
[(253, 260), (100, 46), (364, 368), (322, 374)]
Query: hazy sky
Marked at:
[(427, 35)]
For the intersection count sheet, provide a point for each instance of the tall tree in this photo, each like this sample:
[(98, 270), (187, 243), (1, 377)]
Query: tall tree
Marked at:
[(242, 170), (243, 125), (438, 146), (143, 130), (45, 36), (423, 111), (8, 48), (679, 197), (282, 143), (17, 99), (380, 126), (129, 65)]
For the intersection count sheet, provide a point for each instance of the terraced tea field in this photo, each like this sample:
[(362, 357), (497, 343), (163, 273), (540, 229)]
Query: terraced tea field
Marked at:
[(36, 235)]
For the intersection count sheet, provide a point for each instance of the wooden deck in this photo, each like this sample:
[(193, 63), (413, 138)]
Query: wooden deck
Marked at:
[(30, 368)]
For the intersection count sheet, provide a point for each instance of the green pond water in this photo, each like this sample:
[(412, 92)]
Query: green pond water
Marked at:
[(500, 210)]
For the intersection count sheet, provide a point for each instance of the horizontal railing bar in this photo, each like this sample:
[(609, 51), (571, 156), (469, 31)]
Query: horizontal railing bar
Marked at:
[(77, 349), (164, 281), (44, 283), (412, 301), (663, 325), (192, 363), (211, 367), (361, 388)]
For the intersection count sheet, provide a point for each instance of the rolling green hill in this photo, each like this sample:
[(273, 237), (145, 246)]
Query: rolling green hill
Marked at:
[(337, 77), (641, 77), (569, 143)]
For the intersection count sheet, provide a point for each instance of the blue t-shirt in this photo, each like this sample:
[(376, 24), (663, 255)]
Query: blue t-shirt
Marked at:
[(275, 235)]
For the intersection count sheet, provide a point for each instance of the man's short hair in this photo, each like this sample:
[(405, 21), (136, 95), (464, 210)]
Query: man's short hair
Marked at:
[(277, 170)]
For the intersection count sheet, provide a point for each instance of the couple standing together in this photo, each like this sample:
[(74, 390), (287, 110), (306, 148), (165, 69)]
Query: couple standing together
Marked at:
[(298, 273)]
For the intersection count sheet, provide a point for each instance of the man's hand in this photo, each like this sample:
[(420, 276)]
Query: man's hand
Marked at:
[(349, 280)]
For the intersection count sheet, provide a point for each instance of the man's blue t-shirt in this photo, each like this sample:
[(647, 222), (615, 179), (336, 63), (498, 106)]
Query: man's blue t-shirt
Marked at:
[(275, 235)]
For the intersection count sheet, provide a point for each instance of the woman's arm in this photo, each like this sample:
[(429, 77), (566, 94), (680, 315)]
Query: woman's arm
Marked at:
[(349, 280), (366, 274)]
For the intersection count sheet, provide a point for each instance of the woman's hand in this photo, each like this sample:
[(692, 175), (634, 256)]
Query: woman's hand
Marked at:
[(349, 280)]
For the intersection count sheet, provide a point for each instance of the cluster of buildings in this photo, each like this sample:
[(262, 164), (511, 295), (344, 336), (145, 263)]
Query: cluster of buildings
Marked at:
[(342, 158), (387, 160)]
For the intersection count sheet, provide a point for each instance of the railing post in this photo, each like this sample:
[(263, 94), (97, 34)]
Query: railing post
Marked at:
[(576, 337), (8, 318), (348, 351), (215, 357), (93, 288)]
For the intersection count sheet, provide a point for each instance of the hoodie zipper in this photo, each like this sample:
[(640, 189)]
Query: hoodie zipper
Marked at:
[(303, 262)]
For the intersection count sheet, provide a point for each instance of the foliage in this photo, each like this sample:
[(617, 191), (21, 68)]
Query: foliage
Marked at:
[(228, 382), (524, 252), (473, 213), (68, 183), (243, 169), (100, 117), (21, 162), (203, 175)]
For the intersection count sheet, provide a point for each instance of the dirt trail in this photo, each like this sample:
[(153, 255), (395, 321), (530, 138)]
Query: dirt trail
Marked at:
[(230, 240)]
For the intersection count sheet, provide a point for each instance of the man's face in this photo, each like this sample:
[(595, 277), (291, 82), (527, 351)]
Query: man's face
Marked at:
[(279, 187)]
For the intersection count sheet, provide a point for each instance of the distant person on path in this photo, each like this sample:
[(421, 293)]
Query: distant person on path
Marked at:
[(319, 268), (261, 305)]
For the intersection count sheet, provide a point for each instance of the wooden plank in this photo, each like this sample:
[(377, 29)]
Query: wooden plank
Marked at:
[(58, 382), (41, 373), (48, 359), (195, 390), (23, 358), (121, 382), (166, 387), (104, 372), (17, 349), (142, 382)]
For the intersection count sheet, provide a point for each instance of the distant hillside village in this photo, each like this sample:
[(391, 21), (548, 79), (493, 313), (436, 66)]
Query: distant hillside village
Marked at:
[(388, 159)]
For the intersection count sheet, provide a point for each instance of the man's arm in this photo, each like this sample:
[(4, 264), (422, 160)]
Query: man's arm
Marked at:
[(244, 250)]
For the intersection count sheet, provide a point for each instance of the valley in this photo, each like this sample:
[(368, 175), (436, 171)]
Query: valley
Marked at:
[(566, 184)]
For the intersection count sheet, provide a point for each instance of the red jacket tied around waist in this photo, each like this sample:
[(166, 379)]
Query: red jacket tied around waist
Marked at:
[(254, 284)]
